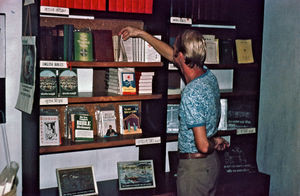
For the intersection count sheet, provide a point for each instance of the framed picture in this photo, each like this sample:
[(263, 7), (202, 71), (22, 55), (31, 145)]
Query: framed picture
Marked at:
[(76, 181), (136, 175)]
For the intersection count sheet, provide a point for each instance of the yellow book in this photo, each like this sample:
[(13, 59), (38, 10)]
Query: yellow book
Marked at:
[(244, 51)]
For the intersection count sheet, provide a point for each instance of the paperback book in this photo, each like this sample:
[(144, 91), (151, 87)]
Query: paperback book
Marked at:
[(83, 46), (172, 118), (49, 128), (130, 119), (48, 83), (68, 84), (106, 121), (128, 83), (83, 130)]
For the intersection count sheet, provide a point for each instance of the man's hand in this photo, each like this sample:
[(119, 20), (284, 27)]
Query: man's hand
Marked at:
[(220, 143)]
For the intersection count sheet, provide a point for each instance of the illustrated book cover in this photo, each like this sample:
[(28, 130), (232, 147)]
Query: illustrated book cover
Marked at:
[(136, 175), (83, 46), (49, 128), (68, 82), (128, 83), (48, 83), (83, 130), (172, 118), (130, 119)]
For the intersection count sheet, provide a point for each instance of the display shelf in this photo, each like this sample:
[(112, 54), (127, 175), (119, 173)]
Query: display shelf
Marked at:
[(68, 146), (81, 64)]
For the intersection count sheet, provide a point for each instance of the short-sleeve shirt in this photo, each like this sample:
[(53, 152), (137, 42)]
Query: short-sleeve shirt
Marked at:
[(199, 106)]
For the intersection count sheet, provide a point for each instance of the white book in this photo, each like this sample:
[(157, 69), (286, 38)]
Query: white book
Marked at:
[(145, 91), (128, 49), (151, 55), (145, 87), (145, 84), (212, 52)]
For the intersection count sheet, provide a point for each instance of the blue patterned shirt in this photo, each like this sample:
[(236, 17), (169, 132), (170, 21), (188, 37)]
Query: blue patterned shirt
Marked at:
[(200, 106)]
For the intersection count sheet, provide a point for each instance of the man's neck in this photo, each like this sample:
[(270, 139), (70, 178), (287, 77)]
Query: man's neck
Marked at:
[(192, 73)]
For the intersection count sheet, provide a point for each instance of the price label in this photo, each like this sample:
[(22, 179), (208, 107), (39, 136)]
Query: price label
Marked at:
[(245, 131), (146, 141)]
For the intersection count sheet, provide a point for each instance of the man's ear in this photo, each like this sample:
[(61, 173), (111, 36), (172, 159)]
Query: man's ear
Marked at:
[(181, 58)]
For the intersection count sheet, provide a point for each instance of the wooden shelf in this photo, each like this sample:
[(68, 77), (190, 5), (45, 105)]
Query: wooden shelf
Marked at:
[(105, 97), (68, 146), (81, 64), (233, 66)]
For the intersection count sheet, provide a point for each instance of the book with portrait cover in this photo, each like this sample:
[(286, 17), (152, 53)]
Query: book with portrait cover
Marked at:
[(130, 119), (68, 82), (48, 83)]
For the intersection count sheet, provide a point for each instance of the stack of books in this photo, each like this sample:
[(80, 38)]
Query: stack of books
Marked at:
[(120, 81), (144, 81)]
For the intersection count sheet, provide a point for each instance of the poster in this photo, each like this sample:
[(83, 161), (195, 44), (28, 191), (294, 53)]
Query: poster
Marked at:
[(27, 78)]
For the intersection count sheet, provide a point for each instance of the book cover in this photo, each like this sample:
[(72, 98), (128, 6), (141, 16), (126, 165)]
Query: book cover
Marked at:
[(48, 83), (83, 46), (172, 118), (136, 174), (83, 127), (68, 84), (151, 55), (49, 130), (46, 50), (108, 123), (130, 119), (244, 51), (212, 52), (226, 51), (103, 45), (128, 83)]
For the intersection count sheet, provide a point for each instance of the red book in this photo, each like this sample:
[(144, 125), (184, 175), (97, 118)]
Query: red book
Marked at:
[(62, 3), (112, 5), (148, 6), (53, 3), (101, 5), (94, 4), (135, 6), (141, 6), (70, 4), (86, 4), (120, 6), (127, 5), (78, 4), (44, 2)]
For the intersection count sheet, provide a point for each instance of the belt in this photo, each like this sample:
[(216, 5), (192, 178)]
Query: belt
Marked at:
[(191, 155)]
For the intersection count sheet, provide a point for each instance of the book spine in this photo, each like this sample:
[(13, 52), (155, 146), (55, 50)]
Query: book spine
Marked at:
[(135, 6), (127, 6), (148, 6), (60, 42), (86, 4), (44, 2), (70, 43), (112, 6), (78, 4), (141, 8), (120, 6), (70, 4), (62, 3), (101, 5), (94, 4), (53, 3)]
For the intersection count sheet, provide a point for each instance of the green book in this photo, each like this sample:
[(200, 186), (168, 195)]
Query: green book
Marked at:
[(83, 46), (48, 83), (83, 127)]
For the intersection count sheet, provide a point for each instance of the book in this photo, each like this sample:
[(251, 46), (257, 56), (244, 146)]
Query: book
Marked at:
[(106, 121), (48, 83), (212, 52), (172, 118), (148, 6), (65, 42), (223, 118), (244, 51), (67, 82), (128, 6), (46, 50), (136, 174), (130, 119), (112, 5), (83, 129), (103, 45), (144, 82), (128, 83), (83, 46), (226, 51), (49, 128), (101, 5), (120, 6), (70, 120), (225, 79), (151, 55)]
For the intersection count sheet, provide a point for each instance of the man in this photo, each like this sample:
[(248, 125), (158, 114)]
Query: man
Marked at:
[(199, 112)]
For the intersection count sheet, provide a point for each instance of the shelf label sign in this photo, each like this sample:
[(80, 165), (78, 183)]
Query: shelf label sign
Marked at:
[(54, 10), (243, 131), (146, 141), (54, 101), (53, 64)]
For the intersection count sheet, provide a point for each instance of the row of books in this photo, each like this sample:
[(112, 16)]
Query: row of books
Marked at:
[(127, 81), (129, 6), (58, 83), (226, 51), (237, 116), (64, 42), (79, 123)]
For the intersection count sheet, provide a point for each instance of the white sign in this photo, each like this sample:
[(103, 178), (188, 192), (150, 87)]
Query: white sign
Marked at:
[(146, 141)]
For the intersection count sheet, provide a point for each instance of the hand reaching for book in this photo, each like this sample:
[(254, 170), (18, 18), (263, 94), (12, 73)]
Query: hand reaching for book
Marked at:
[(220, 143)]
